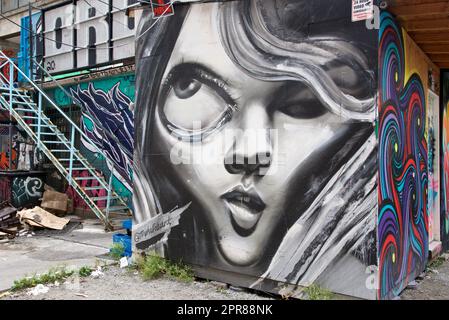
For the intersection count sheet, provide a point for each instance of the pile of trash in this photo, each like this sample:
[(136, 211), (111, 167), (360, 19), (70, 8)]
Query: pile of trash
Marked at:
[(15, 223)]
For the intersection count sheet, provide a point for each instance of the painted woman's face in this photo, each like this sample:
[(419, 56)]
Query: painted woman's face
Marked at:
[(248, 149)]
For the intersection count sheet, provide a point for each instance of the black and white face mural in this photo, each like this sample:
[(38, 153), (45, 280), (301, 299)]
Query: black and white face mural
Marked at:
[(255, 147)]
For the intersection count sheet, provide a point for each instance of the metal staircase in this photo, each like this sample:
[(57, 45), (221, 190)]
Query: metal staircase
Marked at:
[(58, 148)]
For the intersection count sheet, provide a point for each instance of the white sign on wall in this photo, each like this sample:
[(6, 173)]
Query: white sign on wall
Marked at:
[(59, 39), (123, 32), (362, 10), (87, 34)]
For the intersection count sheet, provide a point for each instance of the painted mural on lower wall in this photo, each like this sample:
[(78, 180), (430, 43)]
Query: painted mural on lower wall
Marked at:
[(109, 102), (22, 190), (8, 155), (17, 152), (403, 169), (255, 147), (26, 191)]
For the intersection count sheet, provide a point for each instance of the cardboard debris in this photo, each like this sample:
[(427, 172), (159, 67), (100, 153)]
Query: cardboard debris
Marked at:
[(55, 202), (47, 187), (38, 217), (7, 212), (8, 221)]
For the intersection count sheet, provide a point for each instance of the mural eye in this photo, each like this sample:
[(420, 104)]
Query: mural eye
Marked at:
[(304, 109), (305, 105), (299, 101), (185, 88), (192, 106)]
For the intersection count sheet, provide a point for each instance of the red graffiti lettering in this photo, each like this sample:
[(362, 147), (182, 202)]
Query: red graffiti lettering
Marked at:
[(4, 160), (5, 70)]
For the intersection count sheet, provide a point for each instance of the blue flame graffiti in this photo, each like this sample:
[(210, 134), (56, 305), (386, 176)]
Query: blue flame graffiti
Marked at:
[(113, 109)]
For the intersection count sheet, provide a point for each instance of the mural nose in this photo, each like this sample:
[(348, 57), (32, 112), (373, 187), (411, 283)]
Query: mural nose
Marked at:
[(258, 164), (251, 154)]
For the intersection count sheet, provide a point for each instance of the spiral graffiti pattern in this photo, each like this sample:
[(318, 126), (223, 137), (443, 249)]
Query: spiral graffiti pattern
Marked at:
[(402, 221)]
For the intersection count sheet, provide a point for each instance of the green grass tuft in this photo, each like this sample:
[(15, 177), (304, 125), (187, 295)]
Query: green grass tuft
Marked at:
[(436, 263), (153, 266), (315, 292), (85, 271), (117, 251)]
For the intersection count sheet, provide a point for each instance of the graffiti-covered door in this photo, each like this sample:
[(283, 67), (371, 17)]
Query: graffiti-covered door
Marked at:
[(433, 166)]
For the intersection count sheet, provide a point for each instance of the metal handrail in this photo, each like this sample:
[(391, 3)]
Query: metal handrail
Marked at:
[(56, 107), (66, 143), (61, 168), (67, 172), (48, 75)]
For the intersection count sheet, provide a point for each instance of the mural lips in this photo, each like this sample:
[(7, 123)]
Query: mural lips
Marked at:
[(245, 208)]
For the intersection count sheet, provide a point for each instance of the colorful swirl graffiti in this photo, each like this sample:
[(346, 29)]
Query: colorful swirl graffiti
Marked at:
[(402, 221)]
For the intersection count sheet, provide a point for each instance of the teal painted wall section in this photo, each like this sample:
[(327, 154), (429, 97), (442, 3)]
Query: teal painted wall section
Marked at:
[(106, 101), (126, 86)]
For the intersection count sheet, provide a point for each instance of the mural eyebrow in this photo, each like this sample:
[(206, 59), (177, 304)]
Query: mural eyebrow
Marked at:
[(200, 73)]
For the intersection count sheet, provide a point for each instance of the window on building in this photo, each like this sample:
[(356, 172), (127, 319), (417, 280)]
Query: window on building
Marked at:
[(9, 5)]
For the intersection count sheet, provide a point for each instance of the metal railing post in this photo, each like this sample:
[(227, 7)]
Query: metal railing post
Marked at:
[(72, 151), (39, 121), (11, 85), (10, 146), (108, 203)]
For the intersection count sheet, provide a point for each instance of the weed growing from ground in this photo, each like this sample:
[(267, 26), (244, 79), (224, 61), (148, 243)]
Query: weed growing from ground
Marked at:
[(436, 263), (53, 275), (117, 251), (315, 292), (153, 266), (85, 271)]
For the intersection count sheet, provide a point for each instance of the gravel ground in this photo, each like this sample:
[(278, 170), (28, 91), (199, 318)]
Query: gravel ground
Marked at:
[(434, 285), (125, 284)]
